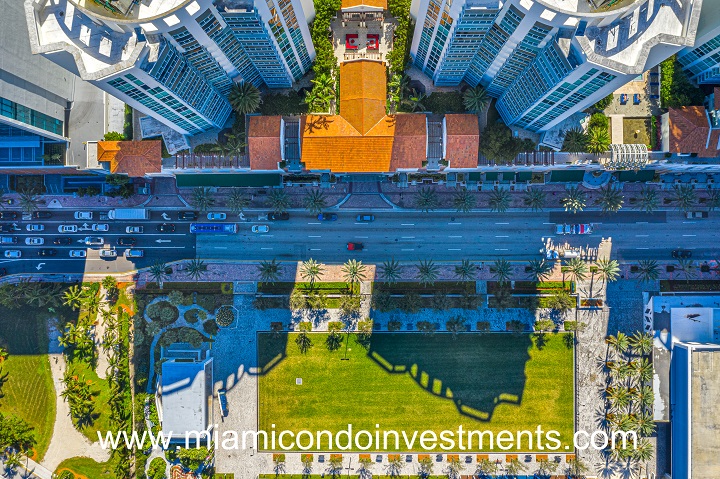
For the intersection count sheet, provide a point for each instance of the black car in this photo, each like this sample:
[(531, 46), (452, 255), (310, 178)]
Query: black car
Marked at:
[(41, 215), (187, 215), (63, 241), (47, 252), (8, 228), (8, 215), (272, 216), (166, 228), (126, 241), (682, 254)]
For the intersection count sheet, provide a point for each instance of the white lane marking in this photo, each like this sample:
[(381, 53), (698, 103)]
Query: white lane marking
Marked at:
[(407, 224), (689, 236), (314, 223), (641, 236), (501, 236), (314, 236), (689, 222), (502, 223), (219, 247), (407, 237), (408, 249), (454, 249), (455, 224), (315, 249), (643, 248), (548, 223), (362, 237), (641, 222), (265, 248), (456, 236), (501, 249)]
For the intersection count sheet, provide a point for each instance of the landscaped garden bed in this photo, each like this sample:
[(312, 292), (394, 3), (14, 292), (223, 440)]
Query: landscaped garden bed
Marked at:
[(445, 287), (283, 288), (532, 287), (696, 285)]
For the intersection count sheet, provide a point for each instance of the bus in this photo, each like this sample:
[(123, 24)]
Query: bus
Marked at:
[(213, 228)]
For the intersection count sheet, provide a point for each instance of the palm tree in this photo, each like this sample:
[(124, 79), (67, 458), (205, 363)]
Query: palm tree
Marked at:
[(540, 270), (311, 270), (466, 270), (684, 197), (546, 467), (619, 342), (576, 468), (464, 201), (196, 268), (499, 200), (607, 269), (202, 198), (515, 467), (73, 297), (315, 201), (501, 270), (641, 343), (234, 146), (390, 270), (269, 271), (28, 201), (353, 271), (237, 201), (244, 98), (321, 97), (577, 269), (279, 201), (648, 270), (645, 396), (561, 301), (157, 272), (713, 200), (618, 396), (644, 369), (534, 199), (303, 341), (414, 101), (648, 201), (611, 199), (575, 141), (574, 199), (598, 141), (475, 99), (686, 268), (427, 272), (333, 341), (486, 467), (427, 200), (643, 452), (394, 466)]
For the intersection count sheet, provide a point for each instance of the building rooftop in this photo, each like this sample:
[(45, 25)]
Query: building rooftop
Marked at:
[(264, 142), (373, 4), (410, 142), (132, 158), (362, 94), (463, 139), (186, 395), (690, 132), (130, 9)]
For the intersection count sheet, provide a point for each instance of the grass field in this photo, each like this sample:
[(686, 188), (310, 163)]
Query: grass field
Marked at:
[(86, 468), (413, 382), (28, 388)]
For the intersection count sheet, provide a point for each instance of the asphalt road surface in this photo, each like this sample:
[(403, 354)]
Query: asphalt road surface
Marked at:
[(405, 236)]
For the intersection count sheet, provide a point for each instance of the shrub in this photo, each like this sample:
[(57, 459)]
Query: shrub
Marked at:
[(440, 301), (175, 298), (382, 301), (153, 311), (305, 326), (394, 325), (67, 475), (210, 327), (226, 288), (191, 316), (410, 302), (113, 136), (202, 315), (402, 36), (157, 468), (448, 102), (224, 317), (349, 304), (168, 315), (335, 326), (297, 300), (516, 326), (138, 337), (184, 335), (470, 301), (163, 312), (206, 301), (192, 458), (604, 103), (544, 325), (598, 120), (483, 326)]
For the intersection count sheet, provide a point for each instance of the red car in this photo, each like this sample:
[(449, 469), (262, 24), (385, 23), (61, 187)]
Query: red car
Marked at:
[(355, 246)]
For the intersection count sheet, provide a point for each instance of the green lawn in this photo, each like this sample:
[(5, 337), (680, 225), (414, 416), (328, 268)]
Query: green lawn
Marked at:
[(88, 468), (28, 388), (102, 389), (413, 382)]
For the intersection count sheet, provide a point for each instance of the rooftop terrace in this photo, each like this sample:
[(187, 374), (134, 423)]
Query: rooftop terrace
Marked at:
[(130, 9)]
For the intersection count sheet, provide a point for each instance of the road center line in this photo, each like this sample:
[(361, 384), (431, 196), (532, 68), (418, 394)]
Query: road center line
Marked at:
[(313, 223), (453, 249), (220, 247), (455, 224), (643, 248), (314, 236), (407, 224), (641, 236), (456, 236), (689, 236), (501, 236), (265, 248), (314, 249), (548, 223), (407, 237), (641, 222), (408, 249), (502, 223), (501, 249)]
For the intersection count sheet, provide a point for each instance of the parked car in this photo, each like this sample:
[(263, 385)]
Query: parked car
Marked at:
[(7, 228), (94, 241), (8, 215), (134, 230), (365, 218), (327, 217), (47, 252), (216, 216), (682, 254), (578, 229), (187, 215), (355, 246), (126, 241), (101, 227), (67, 229), (35, 227), (108, 253), (166, 228), (222, 399), (272, 216), (696, 214), (9, 240), (134, 253), (34, 241), (62, 241), (260, 228), (13, 254), (41, 215), (83, 215), (78, 253)]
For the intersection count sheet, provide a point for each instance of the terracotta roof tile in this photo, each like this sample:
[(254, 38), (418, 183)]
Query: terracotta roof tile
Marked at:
[(690, 132), (409, 148), (716, 97), (264, 142), (367, 3), (362, 93), (133, 158), (462, 140)]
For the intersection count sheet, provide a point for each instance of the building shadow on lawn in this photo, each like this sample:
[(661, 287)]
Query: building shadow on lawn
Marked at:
[(477, 372)]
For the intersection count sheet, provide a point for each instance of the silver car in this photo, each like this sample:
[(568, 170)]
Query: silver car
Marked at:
[(94, 241), (134, 253), (67, 229), (34, 241)]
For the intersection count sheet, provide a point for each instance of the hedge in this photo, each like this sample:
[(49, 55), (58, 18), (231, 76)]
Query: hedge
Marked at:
[(446, 287)]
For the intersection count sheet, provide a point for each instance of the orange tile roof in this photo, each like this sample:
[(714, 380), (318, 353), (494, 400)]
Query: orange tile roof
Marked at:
[(462, 140), (133, 158), (366, 3), (362, 93), (690, 132), (716, 97), (410, 145), (264, 142)]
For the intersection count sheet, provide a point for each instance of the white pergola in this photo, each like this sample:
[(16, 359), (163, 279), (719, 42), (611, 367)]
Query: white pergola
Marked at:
[(626, 157)]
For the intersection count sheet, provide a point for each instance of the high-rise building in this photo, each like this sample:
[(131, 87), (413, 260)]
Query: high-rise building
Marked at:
[(176, 60), (702, 61), (547, 59)]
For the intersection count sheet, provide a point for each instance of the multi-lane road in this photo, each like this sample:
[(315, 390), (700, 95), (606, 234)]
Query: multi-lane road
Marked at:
[(405, 236)]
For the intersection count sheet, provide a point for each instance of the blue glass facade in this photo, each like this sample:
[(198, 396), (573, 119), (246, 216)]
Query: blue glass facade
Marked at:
[(292, 46), (428, 30), (202, 60), (702, 63), (491, 45), (23, 114)]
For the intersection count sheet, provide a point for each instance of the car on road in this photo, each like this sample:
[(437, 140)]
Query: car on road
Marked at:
[(355, 246), (101, 227), (187, 216), (327, 217), (3, 271), (260, 228), (134, 230), (41, 215), (34, 241), (134, 253), (47, 252), (94, 241), (682, 254), (67, 229), (273, 216), (7, 228), (108, 253), (696, 214), (216, 216), (222, 399), (166, 228), (578, 229), (13, 254), (62, 241), (126, 241), (9, 240), (35, 227), (365, 218), (83, 215), (8, 215), (78, 253)]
